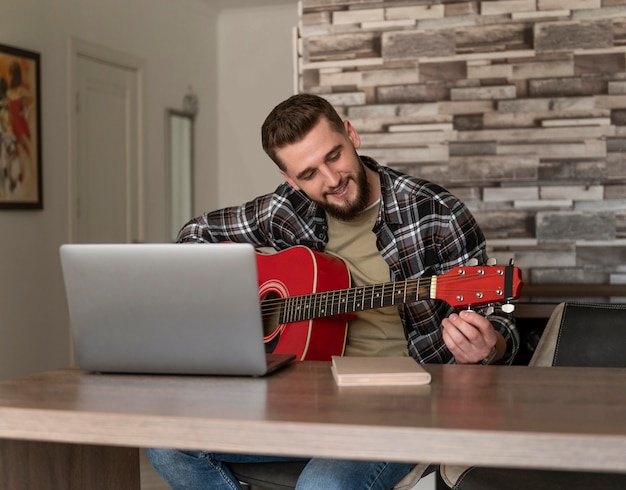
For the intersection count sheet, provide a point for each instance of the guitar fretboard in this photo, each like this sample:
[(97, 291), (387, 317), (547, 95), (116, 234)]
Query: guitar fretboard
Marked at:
[(318, 305)]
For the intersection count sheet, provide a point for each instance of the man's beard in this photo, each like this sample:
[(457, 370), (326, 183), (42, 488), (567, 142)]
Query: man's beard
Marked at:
[(351, 209)]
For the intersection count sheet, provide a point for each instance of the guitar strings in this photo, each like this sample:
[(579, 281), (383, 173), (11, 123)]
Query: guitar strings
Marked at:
[(367, 294)]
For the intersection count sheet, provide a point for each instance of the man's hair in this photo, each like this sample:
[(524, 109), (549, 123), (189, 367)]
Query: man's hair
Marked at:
[(291, 120)]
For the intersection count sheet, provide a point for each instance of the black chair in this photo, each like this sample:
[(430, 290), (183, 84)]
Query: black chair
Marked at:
[(268, 476), (283, 476), (577, 334)]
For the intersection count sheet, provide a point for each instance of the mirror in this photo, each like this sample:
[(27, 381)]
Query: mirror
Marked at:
[(180, 172)]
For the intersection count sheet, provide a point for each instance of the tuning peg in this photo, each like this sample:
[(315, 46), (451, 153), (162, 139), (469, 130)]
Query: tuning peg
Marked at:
[(491, 261), (508, 308), (473, 261), (489, 310)]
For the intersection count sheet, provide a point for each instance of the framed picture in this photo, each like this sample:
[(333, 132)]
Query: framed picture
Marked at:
[(20, 129)]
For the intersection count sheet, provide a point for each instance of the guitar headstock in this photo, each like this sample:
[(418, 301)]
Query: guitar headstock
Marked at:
[(478, 285)]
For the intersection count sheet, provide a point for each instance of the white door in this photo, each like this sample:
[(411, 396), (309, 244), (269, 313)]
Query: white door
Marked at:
[(106, 176)]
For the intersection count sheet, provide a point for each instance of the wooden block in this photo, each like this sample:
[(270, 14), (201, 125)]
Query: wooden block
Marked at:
[(412, 93), (542, 204), (415, 12), (547, 104), (573, 149), (483, 93), (465, 107), (591, 121), (568, 4), (312, 65), (515, 34), (569, 86), (390, 156), (540, 15), (435, 172), (573, 192), (468, 122), (488, 168), (546, 258), (504, 223), (491, 71), (596, 62), (371, 78), (615, 191), (506, 6), (615, 12), (573, 170), (383, 25), (497, 194), (511, 242), (414, 44), (311, 31), (566, 36), (575, 226), (416, 128), (496, 120), (472, 148), (547, 150), (347, 45), (537, 134), (393, 110), (466, 8), (617, 88), (496, 55), (400, 138), (610, 101), (616, 166), (616, 144), (357, 16), (454, 70), (607, 253), (341, 78), (542, 69), (315, 18), (449, 22)]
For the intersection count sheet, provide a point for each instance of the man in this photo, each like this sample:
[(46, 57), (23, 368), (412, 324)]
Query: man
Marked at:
[(384, 224)]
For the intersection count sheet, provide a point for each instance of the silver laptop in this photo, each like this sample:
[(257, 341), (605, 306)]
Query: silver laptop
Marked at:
[(166, 309)]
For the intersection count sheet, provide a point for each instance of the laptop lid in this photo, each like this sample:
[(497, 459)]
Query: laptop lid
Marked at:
[(165, 308)]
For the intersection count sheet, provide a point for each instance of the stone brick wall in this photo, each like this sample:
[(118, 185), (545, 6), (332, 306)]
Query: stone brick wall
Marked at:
[(516, 106)]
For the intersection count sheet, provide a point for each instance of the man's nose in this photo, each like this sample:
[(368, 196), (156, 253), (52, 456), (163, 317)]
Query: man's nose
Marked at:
[(332, 178)]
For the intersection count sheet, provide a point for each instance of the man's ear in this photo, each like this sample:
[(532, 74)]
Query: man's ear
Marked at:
[(352, 134), (289, 180)]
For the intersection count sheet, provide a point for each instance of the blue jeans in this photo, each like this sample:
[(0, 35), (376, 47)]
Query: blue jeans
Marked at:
[(198, 470)]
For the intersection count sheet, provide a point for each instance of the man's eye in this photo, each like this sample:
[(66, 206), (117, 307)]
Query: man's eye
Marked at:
[(334, 157), (308, 176)]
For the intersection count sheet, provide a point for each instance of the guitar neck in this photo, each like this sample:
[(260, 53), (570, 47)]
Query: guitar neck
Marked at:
[(352, 300)]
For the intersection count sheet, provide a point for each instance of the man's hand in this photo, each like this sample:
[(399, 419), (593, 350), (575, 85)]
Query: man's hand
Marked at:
[(470, 337)]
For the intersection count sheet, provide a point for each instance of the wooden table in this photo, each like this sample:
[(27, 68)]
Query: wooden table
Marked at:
[(80, 430)]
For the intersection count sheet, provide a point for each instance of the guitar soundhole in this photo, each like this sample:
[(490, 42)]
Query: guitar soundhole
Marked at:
[(270, 311)]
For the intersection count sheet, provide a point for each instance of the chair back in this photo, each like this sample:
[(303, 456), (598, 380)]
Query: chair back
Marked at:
[(583, 334)]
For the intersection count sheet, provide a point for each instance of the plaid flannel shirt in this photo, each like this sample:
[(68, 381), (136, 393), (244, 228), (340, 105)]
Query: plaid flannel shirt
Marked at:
[(421, 230)]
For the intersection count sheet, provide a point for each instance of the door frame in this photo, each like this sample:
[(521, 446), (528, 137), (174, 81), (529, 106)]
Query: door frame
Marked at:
[(79, 47)]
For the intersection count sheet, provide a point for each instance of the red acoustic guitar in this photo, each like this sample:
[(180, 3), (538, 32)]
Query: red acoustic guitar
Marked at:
[(307, 301)]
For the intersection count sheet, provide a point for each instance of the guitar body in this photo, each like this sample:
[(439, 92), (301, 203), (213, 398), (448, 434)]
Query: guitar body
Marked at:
[(299, 271)]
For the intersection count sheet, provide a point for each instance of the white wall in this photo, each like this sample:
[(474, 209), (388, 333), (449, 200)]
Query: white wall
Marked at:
[(176, 39), (237, 56), (255, 61)]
